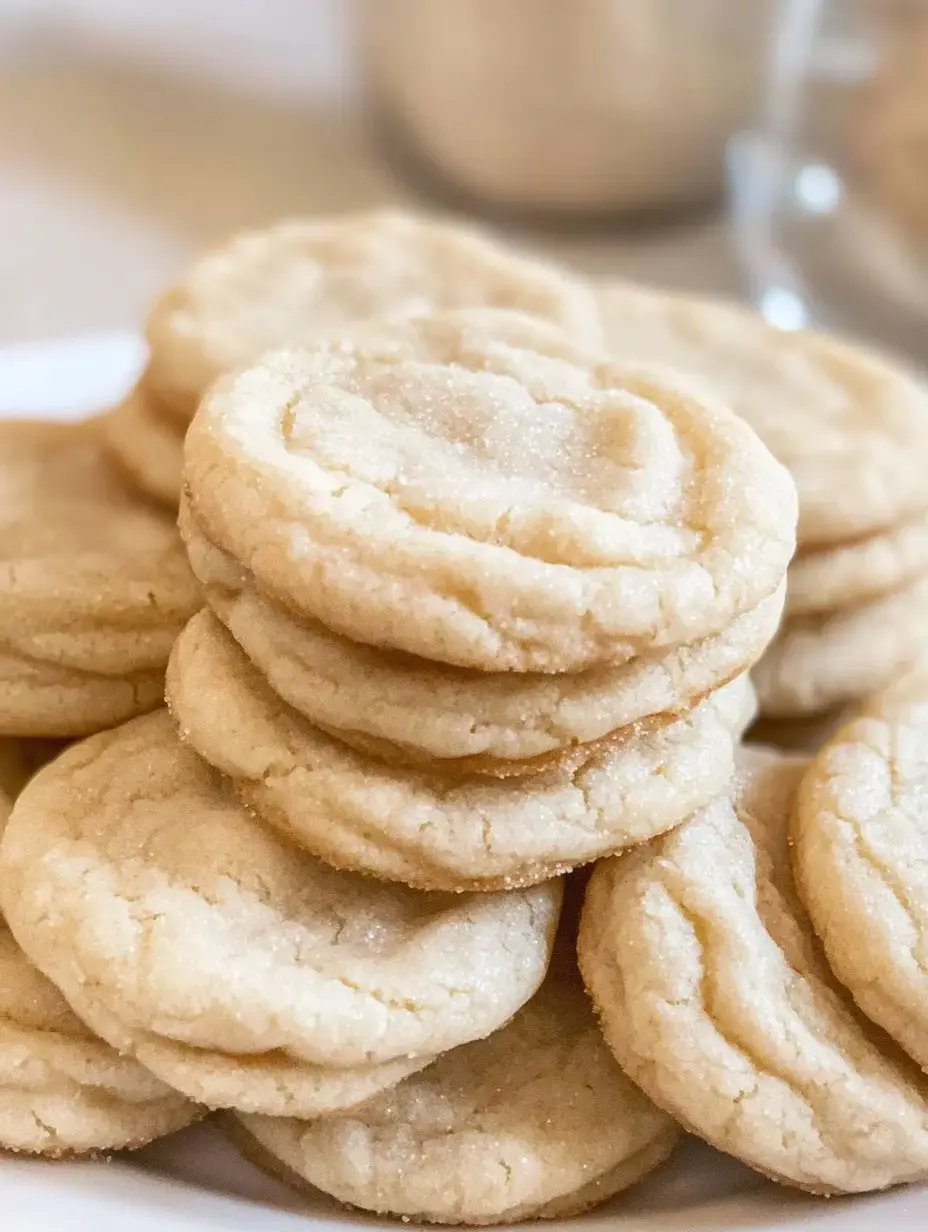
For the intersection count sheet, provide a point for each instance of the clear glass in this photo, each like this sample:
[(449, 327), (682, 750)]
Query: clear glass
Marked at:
[(830, 190), (571, 108)]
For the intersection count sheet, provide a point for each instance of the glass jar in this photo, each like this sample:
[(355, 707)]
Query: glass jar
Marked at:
[(578, 108), (830, 191)]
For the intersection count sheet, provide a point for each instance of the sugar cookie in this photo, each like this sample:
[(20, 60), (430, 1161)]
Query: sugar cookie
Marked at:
[(417, 712), (860, 851), (166, 914), (428, 830), (537, 1121), (849, 425), (717, 1000), (283, 286), (469, 487), (94, 584), (823, 662), (63, 1092)]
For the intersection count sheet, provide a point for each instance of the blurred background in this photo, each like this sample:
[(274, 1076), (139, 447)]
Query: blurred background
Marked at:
[(772, 149)]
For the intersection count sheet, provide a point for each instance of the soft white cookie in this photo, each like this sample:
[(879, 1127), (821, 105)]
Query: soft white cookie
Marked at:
[(168, 915), (423, 713), (537, 1121), (860, 851), (63, 1092), (470, 487), (715, 997), (283, 286), (849, 425), (425, 829)]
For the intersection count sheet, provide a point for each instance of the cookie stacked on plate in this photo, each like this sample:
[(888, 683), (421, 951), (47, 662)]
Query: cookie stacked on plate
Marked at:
[(480, 607), (481, 602), (282, 286), (851, 428), (714, 956), (94, 586)]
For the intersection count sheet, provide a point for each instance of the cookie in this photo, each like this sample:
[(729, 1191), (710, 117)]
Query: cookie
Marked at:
[(859, 851), (428, 830), (94, 585), (283, 286), (537, 1121), (167, 915), (426, 714), (799, 735), (63, 1092), (470, 487), (853, 573), (148, 447), (848, 424), (715, 997), (820, 663)]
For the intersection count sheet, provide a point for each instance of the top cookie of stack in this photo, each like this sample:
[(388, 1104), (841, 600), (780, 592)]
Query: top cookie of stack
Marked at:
[(499, 581), (851, 428), (282, 286)]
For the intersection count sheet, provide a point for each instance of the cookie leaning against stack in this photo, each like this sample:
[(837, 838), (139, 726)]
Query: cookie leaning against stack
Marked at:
[(283, 286), (94, 586), (487, 522), (851, 429)]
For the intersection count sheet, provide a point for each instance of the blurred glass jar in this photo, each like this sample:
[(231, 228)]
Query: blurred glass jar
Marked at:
[(830, 192), (577, 108)]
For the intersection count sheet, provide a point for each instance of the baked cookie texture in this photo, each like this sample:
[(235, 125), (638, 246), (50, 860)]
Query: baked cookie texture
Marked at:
[(173, 921), (537, 1121), (283, 286), (472, 488), (716, 998), (356, 811), (94, 586), (62, 1091), (849, 425), (423, 713), (859, 836)]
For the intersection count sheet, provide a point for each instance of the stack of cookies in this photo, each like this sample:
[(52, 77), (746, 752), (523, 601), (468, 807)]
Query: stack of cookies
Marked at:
[(282, 286), (481, 604), (852, 430)]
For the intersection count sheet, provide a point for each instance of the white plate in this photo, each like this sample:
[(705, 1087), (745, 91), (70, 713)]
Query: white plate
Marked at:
[(197, 1182)]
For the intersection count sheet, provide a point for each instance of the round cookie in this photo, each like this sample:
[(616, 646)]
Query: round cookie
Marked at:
[(94, 584), (853, 573), (283, 286), (415, 712), (427, 830), (716, 999), (848, 424), (470, 487), (167, 914), (820, 663), (860, 851), (148, 447), (63, 1092), (537, 1121)]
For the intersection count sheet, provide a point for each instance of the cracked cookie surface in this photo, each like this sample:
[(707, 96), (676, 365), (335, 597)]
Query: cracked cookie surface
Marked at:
[(450, 719), (136, 882), (62, 1091), (283, 286), (848, 424), (717, 999), (428, 830), (860, 851), (472, 488), (536, 1121)]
